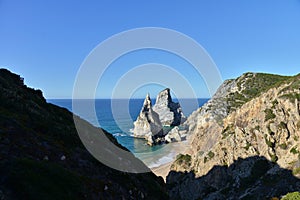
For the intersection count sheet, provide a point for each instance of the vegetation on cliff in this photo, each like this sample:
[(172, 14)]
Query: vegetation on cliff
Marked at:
[(245, 144), (254, 115)]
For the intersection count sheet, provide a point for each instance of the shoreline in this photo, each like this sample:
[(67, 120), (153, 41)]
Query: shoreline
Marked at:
[(177, 148)]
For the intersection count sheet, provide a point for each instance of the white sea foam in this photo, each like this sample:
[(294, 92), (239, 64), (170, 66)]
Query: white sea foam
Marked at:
[(119, 135), (162, 161), (159, 160), (130, 132), (163, 155)]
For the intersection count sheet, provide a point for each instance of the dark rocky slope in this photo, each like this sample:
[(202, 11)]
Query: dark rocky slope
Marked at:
[(42, 157), (250, 178)]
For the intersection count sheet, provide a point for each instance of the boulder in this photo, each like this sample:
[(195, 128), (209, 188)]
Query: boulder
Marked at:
[(174, 135), (150, 139)]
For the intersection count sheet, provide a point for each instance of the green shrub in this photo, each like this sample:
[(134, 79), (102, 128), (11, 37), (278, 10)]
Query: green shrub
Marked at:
[(269, 114), (186, 159), (274, 158), (274, 103), (283, 146), (229, 130), (253, 86), (211, 154), (268, 142), (248, 145), (291, 97), (296, 171), (292, 196), (282, 125), (294, 150)]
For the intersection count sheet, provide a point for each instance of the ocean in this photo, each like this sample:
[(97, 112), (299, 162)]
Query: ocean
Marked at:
[(119, 122)]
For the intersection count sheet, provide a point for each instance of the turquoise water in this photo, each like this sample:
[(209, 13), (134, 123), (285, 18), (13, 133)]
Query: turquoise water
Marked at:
[(119, 122)]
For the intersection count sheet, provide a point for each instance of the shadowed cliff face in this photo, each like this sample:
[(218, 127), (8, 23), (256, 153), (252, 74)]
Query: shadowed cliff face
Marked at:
[(42, 157), (251, 178)]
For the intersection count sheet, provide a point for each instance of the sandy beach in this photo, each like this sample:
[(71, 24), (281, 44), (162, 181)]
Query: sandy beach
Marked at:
[(162, 170), (177, 148)]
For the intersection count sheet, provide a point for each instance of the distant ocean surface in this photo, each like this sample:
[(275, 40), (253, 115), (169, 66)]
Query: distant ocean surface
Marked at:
[(121, 126)]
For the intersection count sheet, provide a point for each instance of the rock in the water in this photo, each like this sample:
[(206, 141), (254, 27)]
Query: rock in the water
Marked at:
[(164, 113), (173, 135), (148, 125), (170, 113)]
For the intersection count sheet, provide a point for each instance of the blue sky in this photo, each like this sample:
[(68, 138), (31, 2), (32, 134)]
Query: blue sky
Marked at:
[(46, 41)]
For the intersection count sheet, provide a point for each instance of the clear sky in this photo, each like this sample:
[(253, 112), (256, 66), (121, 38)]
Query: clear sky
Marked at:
[(46, 41)]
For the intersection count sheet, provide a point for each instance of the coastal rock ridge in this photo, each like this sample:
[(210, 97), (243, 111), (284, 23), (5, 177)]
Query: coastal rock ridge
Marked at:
[(248, 134)]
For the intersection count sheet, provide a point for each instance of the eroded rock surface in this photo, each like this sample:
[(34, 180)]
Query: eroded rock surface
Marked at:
[(254, 115), (151, 120), (148, 125), (170, 113)]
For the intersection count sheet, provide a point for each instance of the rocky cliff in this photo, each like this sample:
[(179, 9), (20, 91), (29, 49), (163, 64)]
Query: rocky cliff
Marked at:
[(170, 113), (42, 157), (253, 115), (152, 120), (148, 125)]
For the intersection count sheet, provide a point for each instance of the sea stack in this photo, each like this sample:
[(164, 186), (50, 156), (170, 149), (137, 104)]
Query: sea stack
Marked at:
[(148, 125), (151, 120), (170, 113)]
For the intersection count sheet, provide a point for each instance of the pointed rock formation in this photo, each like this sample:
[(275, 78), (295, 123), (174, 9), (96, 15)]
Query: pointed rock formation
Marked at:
[(170, 113), (165, 112), (148, 125)]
